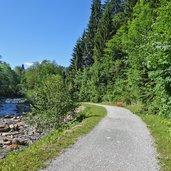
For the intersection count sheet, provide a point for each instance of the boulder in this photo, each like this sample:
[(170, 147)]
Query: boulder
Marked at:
[(2, 125), (5, 129), (20, 141), (12, 147), (2, 156), (7, 143), (8, 116), (10, 134)]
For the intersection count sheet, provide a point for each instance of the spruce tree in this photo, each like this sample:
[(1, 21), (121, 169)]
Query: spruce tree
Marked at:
[(95, 17), (77, 61), (103, 34)]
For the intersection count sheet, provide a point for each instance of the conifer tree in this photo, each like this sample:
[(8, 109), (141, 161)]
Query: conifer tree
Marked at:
[(77, 61), (96, 12), (103, 34)]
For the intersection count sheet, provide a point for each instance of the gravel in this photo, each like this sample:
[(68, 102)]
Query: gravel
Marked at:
[(120, 142)]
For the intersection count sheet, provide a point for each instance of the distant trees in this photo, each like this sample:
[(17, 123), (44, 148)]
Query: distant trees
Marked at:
[(45, 85), (35, 75), (9, 81)]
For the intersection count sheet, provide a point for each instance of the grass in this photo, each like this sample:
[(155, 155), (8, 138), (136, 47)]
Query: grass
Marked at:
[(35, 156), (160, 128)]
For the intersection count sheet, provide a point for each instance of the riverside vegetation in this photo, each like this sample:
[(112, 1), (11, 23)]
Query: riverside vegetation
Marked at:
[(52, 144), (124, 54)]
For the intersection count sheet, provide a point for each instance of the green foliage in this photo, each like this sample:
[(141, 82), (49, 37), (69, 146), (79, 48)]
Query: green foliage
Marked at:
[(9, 81), (35, 75), (96, 13), (46, 87), (103, 34), (51, 102), (159, 59), (131, 56), (78, 60)]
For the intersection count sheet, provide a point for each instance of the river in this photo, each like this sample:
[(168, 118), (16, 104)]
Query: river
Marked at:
[(9, 106)]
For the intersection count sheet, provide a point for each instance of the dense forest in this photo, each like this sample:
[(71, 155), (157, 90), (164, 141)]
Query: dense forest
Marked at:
[(124, 54)]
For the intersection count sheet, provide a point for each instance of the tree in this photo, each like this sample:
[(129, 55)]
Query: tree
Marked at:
[(52, 102), (78, 61), (96, 13), (134, 43), (8, 81), (37, 73), (103, 34), (158, 50)]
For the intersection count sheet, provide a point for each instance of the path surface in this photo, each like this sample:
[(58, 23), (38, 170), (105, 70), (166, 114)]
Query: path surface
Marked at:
[(121, 142)]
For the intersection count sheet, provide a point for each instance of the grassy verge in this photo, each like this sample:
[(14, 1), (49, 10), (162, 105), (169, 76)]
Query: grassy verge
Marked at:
[(160, 128), (52, 144)]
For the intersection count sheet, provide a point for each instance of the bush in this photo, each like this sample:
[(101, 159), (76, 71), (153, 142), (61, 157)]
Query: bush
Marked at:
[(52, 102)]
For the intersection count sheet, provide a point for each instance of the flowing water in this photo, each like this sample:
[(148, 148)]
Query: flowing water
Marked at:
[(9, 106)]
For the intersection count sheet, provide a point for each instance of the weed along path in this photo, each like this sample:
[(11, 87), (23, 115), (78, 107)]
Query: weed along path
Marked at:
[(120, 142)]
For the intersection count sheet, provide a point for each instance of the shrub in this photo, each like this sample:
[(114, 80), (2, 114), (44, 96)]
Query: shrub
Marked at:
[(52, 102)]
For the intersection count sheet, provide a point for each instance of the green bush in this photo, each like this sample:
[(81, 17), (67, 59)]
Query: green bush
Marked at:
[(52, 102)]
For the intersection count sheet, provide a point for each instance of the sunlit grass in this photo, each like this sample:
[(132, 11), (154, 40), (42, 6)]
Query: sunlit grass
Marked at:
[(50, 146)]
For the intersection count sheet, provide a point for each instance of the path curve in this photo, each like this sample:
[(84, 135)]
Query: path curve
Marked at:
[(120, 142)]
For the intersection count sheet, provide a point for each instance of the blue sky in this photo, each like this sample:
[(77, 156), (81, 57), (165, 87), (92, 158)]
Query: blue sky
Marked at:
[(33, 30)]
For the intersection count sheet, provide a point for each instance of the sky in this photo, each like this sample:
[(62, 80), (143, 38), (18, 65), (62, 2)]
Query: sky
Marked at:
[(33, 30)]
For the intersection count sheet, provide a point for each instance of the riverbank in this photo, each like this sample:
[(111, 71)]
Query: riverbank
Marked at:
[(15, 134), (35, 156)]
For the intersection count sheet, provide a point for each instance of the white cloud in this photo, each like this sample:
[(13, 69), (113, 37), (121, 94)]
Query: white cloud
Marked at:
[(28, 64)]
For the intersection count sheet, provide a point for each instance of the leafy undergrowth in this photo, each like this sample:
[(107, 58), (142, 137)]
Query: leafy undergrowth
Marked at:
[(50, 146), (160, 128)]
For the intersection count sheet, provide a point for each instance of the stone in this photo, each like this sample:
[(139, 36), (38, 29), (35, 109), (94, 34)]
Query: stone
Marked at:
[(11, 126), (20, 141), (5, 129), (2, 156), (10, 133), (7, 142), (1, 142), (8, 116), (2, 125), (12, 147)]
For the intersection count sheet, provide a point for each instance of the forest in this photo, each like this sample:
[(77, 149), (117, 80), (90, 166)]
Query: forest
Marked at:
[(124, 54)]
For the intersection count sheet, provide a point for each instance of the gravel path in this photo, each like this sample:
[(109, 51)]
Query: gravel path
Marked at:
[(120, 142)]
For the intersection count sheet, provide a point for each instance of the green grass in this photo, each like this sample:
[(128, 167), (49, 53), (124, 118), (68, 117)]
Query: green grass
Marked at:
[(160, 128), (35, 156)]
